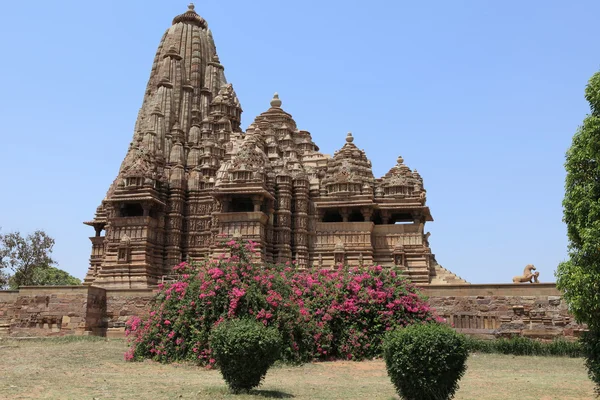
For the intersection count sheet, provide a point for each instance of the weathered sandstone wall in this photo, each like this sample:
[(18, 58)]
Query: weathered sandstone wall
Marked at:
[(70, 310), (122, 304), (501, 310), (487, 311), (52, 310)]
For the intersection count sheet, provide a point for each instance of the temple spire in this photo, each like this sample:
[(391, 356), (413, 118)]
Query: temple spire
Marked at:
[(191, 180)]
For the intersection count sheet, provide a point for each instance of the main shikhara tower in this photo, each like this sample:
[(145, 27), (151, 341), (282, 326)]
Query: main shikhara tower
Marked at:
[(193, 180)]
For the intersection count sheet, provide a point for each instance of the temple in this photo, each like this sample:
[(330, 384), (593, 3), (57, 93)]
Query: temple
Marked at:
[(193, 180)]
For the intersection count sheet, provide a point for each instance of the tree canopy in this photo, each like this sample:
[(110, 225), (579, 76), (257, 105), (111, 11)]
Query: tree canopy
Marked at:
[(579, 277), (27, 261)]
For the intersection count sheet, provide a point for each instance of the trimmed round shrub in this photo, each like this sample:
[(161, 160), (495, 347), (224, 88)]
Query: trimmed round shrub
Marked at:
[(244, 350), (425, 361)]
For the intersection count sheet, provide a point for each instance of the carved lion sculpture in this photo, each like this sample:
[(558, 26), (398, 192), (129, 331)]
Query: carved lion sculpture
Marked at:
[(528, 276)]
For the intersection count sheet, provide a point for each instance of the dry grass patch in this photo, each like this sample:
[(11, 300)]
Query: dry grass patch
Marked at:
[(87, 369)]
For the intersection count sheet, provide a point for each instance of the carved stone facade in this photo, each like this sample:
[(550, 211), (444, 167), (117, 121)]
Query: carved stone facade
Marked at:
[(192, 180)]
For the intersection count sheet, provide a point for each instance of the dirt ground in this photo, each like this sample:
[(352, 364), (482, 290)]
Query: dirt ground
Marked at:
[(93, 369)]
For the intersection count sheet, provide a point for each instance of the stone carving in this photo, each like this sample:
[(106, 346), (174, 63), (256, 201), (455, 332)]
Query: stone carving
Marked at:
[(528, 276), (192, 178)]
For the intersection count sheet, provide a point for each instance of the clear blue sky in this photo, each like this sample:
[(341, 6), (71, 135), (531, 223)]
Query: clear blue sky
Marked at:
[(481, 97)]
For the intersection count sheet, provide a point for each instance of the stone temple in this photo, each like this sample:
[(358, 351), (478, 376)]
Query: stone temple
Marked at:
[(193, 180)]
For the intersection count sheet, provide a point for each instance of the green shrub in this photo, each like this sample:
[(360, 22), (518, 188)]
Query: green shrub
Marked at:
[(519, 346), (475, 345), (522, 346), (564, 348), (244, 349), (425, 361)]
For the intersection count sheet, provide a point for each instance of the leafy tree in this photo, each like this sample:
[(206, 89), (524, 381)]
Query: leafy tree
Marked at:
[(24, 256), (50, 276), (579, 277), (3, 279)]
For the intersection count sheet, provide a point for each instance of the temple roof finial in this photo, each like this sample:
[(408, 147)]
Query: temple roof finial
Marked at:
[(190, 17), (275, 102), (400, 160), (349, 137)]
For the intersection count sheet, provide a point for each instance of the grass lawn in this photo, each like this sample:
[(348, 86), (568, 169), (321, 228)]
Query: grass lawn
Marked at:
[(95, 369)]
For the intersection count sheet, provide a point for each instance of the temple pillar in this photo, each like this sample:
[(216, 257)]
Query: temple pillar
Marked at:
[(300, 221), (282, 249), (257, 203), (367, 213), (269, 232), (345, 213), (385, 217)]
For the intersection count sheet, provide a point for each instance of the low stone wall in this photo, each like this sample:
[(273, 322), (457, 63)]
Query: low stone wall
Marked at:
[(7, 305), (503, 310), (122, 304), (486, 311), (52, 310), (70, 310)]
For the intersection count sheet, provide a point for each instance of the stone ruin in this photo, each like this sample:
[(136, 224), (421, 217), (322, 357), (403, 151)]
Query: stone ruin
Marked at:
[(192, 180)]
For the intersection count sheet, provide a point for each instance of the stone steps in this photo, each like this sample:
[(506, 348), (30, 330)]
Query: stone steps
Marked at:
[(4, 329)]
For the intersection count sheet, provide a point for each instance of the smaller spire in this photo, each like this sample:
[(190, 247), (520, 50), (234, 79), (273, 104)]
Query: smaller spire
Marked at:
[(173, 53), (275, 102), (349, 137), (157, 111)]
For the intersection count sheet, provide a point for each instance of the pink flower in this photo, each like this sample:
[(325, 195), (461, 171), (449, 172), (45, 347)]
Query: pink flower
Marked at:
[(215, 273)]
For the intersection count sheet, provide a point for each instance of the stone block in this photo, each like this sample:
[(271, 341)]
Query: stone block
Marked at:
[(115, 332), (540, 333), (518, 310), (554, 300)]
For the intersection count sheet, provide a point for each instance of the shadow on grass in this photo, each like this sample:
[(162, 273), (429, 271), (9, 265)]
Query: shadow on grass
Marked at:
[(220, 392), (271, 394)]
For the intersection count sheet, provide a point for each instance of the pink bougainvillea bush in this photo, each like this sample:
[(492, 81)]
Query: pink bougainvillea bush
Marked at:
[(351, 308), (320, 314)]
